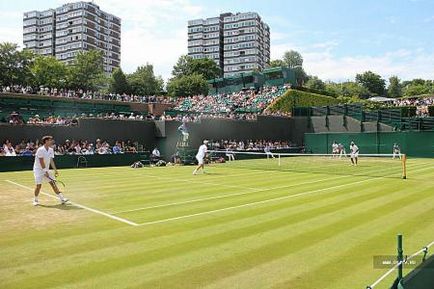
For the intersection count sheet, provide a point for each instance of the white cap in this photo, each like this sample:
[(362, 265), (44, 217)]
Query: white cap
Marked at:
[(205, 141)]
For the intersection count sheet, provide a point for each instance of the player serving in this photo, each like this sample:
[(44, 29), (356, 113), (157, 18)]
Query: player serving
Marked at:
[(200, 156), (354, 149), (44, 157)]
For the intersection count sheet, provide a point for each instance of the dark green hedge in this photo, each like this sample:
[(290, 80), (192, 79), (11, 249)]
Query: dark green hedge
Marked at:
[(408, 111), (300, 99), (317, 91)]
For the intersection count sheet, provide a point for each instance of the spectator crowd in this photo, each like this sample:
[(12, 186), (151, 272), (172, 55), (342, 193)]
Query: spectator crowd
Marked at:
[(248, 100), (421, 104), (242, 105), (17, 119), (70, 147), (80, 93), (250, 145), (190, 117)]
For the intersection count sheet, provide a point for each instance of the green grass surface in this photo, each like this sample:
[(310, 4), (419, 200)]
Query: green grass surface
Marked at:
[(245, 225)]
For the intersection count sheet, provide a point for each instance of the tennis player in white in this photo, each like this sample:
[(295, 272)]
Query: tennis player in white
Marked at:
[(200, 156), (44, 157), (230, 155), (396, 151), (335, 150), (268, 152), (354, 149)]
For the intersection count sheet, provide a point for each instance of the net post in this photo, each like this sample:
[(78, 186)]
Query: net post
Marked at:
[(278, 156), (425, 252), (404, 166), (400, 256)]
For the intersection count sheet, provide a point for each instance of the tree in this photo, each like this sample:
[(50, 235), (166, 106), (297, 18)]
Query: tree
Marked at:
[(182, 66), (188, 85), (206, 67), (186, 65), (374, 83), (15, 65), (144, 82), (315, 83), (395, 89), (49, 72), (86, 71), (417, 87), (300, 76), (292, 59), (347, 89), (277, 63), (118, 82)]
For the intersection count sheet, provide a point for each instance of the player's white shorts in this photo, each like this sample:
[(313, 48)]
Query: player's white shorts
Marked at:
[(200, 160), (354, 155), (41, 178)]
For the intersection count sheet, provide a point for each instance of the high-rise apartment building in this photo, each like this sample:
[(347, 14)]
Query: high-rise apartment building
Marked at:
[(238, 43), (74, 27)]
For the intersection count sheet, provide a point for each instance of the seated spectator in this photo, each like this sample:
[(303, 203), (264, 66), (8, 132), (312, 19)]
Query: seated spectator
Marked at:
[(15, 118), (117, 149), (130, 147), (8, 149), (74, 147), (26, 152)]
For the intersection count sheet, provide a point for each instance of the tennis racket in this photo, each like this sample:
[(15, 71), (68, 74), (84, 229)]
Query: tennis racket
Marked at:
[(56, 181)]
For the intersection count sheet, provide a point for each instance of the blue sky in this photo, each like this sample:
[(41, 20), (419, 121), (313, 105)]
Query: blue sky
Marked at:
[(337, 38)]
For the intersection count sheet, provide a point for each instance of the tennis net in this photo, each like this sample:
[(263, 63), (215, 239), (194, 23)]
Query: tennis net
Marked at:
[(374, 165)]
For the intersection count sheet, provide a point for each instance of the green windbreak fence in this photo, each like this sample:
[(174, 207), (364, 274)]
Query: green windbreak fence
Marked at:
[(412, 143), (20, 163)]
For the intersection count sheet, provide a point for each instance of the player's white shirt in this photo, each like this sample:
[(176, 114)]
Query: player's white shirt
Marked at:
[(354, 149), (202, 151), (47, 155)]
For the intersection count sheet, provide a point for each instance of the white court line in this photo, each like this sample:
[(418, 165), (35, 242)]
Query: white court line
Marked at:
[(255, 190), (265, 201), (226, 196), (80, 206), (171, 179), (248, 204)]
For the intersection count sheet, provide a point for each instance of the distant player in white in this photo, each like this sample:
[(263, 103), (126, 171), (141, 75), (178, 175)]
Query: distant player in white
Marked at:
[(354, 149), (342, 151), (396, 151), (44, 157), (268, 152), (200, 156), (230, 155), (335, 149)]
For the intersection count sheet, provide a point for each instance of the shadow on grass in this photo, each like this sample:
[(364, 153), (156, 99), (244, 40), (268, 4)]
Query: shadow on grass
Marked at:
[(65, 207)]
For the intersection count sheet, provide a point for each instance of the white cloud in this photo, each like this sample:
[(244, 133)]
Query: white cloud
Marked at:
[(429, 19), (155, 31), (406, 64), (152, 31), (320, 60), (9, 31)]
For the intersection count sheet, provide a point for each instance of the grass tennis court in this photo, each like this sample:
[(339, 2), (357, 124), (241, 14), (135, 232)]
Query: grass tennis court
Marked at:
[(235, 227)]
